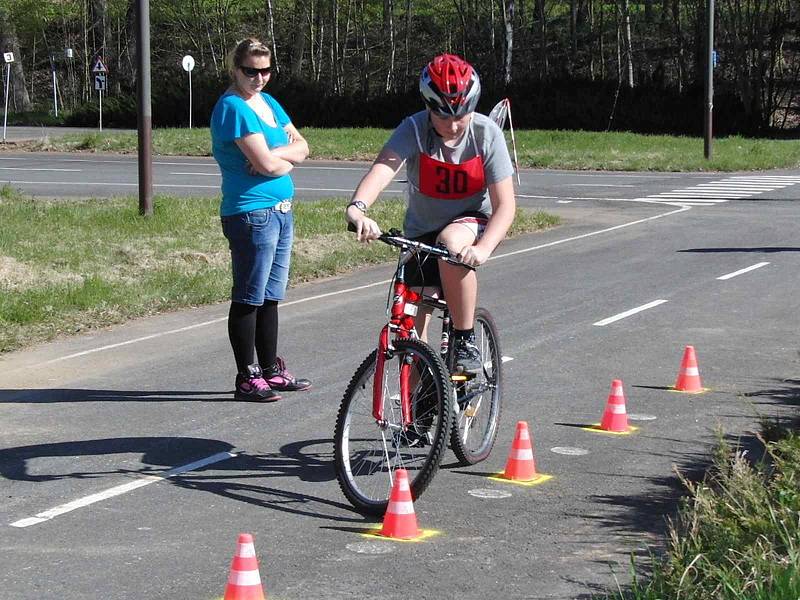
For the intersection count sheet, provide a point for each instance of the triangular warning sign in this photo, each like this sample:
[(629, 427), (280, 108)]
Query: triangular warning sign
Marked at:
[(99, 67)]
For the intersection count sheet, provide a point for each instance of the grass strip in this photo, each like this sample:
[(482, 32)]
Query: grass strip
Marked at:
[(737, 534), (68, 266), (535, 149)]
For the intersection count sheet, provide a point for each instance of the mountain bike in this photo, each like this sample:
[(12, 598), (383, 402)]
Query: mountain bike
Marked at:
[(404, 402)]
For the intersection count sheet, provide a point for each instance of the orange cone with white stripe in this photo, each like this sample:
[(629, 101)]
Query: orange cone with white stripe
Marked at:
[(400, 520), (615, 418), (689, 375), (520, 465), (244, 582)]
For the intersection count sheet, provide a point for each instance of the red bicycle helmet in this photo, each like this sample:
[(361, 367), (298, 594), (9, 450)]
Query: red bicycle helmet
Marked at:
[(450, 86)]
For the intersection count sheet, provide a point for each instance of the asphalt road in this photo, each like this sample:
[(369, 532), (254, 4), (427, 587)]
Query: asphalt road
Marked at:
[(126, 471), (86, 420), (52, 175)]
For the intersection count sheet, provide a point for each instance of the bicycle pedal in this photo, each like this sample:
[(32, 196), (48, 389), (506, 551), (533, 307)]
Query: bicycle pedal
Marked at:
[(470, 411)]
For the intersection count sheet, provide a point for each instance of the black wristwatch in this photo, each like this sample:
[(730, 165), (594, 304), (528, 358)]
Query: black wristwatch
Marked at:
[(359, 205)]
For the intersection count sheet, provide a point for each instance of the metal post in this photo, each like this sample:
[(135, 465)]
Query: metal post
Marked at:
[(5, 114), (190, 99), (55, 93), (145, 121), (708, 149), (100, 96)]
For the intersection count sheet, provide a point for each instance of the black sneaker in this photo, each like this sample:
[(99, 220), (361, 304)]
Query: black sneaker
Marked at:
[(467, 357), (251, 386)]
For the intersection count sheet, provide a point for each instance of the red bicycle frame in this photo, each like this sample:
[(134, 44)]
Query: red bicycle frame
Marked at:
[(401, 322)]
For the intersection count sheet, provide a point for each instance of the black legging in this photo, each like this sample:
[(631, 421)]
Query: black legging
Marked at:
[(254, 328)]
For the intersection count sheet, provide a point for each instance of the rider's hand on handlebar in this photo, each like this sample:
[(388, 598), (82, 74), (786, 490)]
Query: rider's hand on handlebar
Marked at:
[(366, 229), (473, 256)]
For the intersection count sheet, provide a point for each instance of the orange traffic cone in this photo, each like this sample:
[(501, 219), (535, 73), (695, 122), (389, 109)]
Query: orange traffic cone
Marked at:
[(615, 418), (689, 375), (520, 465), (244, 582), (400, 521)]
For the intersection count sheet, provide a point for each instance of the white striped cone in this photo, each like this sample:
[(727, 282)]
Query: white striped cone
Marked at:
[(689, 376), (400, 520), (244, 582), (615, 417), (520, 465)]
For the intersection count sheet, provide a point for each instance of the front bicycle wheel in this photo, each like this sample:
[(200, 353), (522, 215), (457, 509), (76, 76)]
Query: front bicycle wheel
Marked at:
[(478, 400), (367, 453)]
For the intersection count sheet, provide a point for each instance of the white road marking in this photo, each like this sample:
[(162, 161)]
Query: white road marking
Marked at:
[(564, 202), (613, 185), (730, 188), (119, 490), (39, 169), (350, 290), (205, 174), (506, 359), (183, 186), (741, 271), (628, 313)]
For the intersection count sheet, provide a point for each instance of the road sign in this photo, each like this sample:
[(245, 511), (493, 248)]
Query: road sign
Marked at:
[(188, 63), (99, 67), (100, 81), (8, 57)]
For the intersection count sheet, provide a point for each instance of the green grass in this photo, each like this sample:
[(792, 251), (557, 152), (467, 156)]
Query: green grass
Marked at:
[(737, 536), (71, 266), (535, 149)]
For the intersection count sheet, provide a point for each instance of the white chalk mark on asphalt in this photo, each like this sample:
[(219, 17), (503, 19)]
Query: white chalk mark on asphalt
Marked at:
[(628, 313), (741, 271), (119, 490)]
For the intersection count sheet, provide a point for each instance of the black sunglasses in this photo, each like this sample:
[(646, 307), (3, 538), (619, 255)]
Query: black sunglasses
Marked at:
[(252, 71)]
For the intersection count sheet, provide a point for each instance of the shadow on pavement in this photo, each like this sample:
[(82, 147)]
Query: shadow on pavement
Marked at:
[(43, 396), (649, 512), (766, 249), (244, 483)]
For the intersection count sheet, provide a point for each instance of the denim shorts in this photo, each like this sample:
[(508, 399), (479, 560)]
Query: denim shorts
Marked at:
[(261, 247)]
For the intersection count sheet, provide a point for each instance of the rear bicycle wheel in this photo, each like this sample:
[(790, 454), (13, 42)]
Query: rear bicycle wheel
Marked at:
[(476, 411), (366, 453)]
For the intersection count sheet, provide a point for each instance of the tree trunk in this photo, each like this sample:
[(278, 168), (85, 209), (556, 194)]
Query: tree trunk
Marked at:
[(676, 19), (388, 26), (271, 28), (541, 14), (302, 18), (20, 100), (628, 42), (508, 21)]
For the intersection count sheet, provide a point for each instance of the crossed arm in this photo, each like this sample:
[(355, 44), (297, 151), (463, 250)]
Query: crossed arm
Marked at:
[(276, 161)]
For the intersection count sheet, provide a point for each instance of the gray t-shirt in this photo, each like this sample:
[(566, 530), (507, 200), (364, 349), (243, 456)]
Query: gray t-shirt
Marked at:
[(415, 134)]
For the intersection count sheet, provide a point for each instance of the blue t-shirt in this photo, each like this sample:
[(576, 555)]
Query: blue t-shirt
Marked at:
[(233, 119)]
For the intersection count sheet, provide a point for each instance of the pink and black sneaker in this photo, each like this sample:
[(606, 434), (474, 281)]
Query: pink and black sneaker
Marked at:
[(279, 378), (251, 386)]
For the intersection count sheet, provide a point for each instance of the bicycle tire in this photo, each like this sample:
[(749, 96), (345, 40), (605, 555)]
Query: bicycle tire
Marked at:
[(478, 404), (366, 454)]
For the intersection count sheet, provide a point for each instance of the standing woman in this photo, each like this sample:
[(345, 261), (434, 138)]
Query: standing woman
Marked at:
[(256, 146)]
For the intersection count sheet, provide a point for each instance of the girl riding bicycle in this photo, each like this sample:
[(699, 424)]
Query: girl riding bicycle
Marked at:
[(460, 191)]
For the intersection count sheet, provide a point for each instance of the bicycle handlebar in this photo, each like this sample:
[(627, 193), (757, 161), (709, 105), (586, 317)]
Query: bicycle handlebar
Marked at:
[(394, 237)]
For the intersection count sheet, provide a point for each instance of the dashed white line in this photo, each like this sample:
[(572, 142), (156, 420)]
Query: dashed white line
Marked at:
[(628, 313), (741, 271)]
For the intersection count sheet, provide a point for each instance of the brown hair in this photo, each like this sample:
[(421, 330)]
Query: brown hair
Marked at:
[(247, 47)]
